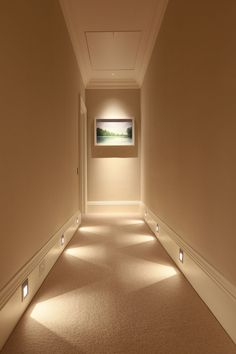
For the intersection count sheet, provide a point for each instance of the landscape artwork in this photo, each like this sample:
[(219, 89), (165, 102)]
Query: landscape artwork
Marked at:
[(114, 132)]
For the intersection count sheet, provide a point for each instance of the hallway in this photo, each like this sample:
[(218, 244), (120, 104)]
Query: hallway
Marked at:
[(115, 290), (112, 107)]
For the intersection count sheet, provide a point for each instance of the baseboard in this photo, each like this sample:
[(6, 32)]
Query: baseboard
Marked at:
[(117, 206), (11, 305), (205, 279)]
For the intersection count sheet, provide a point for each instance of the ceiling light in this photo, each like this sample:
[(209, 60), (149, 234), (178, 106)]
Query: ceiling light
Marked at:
[(25, 289)]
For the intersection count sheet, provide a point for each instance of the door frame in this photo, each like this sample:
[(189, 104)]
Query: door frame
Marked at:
[(83, 156)]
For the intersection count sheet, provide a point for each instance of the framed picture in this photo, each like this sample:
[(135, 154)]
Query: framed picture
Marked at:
[(114, 132)]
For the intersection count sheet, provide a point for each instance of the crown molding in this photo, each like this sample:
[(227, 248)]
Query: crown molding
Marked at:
[(74, 41), (156, 25)]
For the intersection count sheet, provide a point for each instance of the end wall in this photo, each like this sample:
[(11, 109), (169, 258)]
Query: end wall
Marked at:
[(113, 172)]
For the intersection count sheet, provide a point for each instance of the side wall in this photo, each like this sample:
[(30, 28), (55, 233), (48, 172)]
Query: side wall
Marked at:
[(113, 172), (39, 90), (189, 129)]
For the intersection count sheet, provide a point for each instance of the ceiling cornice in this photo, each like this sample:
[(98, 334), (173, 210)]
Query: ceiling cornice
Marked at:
[(156, 25), (74, 41)]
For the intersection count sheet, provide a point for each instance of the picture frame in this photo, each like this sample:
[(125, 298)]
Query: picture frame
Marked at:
[(114, 132)]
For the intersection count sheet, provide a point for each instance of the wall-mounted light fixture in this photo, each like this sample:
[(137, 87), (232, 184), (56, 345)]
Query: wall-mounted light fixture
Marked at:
[(181, 255), (157, 228), (62, 240), (25, 289)]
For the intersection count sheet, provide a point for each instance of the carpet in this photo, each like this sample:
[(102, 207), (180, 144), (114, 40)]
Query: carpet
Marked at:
[(116, 290)]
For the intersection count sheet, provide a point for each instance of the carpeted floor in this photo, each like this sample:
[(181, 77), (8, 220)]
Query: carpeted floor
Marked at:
[(115, 290)]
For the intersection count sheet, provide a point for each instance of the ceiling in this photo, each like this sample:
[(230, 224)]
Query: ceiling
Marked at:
[(113, 39)]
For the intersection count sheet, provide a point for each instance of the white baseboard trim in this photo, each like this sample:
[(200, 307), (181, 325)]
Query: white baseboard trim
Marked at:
[(214, 289), (114, 206), (35, 270)]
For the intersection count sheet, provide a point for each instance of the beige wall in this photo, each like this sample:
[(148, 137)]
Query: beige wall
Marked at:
[(39, 90), (113, 172), (189, 128)]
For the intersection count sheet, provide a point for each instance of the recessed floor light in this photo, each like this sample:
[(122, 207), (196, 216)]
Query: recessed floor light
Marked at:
[(25, 289)]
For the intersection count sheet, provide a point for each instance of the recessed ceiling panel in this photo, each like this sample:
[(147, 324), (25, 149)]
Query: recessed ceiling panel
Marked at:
[(113, 50)]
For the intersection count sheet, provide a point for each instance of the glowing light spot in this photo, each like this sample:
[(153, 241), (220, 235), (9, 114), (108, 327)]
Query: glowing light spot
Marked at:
[(138, 274), (93, 229), (130, 222), (59, 314), (94, 254), (135, 239)]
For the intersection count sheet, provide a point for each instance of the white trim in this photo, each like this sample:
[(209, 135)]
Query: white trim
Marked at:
[(83, 106), (114, 206), (114, 87), (114, 203), (35, 270), (205, 279), (74, 40), (156, 25), (83, 155)]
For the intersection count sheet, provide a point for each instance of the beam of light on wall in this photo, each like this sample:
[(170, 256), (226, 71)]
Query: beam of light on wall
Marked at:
[(113, 108)]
